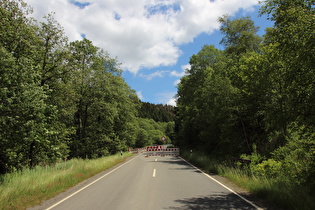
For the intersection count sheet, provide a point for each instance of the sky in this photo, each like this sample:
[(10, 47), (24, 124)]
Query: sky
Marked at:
[(153, 39)]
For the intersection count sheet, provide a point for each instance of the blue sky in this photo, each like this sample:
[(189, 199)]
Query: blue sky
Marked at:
[(153, 39)]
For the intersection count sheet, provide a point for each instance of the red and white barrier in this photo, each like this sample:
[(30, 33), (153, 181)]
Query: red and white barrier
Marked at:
[(163, 150), (156, 151), (154, 148), (159, 151), (160, 154)]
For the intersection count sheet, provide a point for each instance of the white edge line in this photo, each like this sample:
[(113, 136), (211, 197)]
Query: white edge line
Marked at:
[(232, 191), (86, 186)]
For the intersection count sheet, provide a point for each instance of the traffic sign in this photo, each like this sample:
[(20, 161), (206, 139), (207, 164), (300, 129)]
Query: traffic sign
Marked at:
[(163, 138)]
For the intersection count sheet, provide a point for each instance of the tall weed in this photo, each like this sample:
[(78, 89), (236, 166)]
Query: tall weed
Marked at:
[(278, 191), (29, 187)]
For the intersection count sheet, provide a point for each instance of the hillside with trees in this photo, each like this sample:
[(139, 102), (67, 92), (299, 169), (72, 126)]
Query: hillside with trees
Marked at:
[(255, 99), (154, 122), (157, 112)]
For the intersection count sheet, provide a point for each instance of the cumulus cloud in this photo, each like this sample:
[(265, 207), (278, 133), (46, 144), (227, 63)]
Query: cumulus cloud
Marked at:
[(182, 72), (153, 75), (177, 74), (141, 33), (162, 73), (176, 82), (172, 102), (140, 96), (167, 98)]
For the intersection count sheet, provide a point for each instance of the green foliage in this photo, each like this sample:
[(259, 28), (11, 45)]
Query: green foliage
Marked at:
[(255, 98), (254, 157), (250, 92), (201, 160), (58, 99), (298, 155), (27, 123), (267, 168), (240, 35), (157, 112), (150, 132), (154, 122), (294, 39), (199, 100)]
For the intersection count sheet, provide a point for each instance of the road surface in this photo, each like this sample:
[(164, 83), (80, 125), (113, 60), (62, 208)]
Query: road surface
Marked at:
[(148, 183)]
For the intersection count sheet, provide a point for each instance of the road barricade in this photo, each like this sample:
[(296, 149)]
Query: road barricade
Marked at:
[(159, 151)]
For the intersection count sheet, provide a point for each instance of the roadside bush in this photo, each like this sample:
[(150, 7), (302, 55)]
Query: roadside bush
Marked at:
[(298, 155), (270, 168), (255, 159)]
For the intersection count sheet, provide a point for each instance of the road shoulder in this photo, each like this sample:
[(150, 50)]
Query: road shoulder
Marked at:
[(47, 203)]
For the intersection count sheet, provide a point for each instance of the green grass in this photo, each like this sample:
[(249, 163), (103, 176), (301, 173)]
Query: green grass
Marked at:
[(26, 188), (278, 193)]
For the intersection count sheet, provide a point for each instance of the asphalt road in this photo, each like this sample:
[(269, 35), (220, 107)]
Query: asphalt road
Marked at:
[(148, 183)]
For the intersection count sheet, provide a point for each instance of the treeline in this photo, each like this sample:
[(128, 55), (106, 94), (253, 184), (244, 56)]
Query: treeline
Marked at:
[(154, 122), (150, 132), (157, 112), (61, 99), (255, 98)]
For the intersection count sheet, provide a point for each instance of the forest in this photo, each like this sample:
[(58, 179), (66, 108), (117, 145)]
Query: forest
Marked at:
[(61, 100), (255, 99), (157, 112)]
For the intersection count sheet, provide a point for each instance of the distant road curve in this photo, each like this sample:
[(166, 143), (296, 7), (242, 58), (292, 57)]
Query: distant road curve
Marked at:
[(146, 183)]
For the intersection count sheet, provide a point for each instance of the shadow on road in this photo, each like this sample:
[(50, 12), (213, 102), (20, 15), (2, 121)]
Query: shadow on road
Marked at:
[(218, 201), (178, 162)]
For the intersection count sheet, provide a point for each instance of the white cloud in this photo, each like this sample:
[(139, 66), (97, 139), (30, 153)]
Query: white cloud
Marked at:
[(176, 82), (167, 98), (140, 96), (161, 74), (141, 33), (186, 67), (172, 102), (153, 75), (177, 74), (182, 72)]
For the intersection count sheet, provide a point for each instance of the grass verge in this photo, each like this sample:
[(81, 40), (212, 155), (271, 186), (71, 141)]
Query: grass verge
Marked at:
[(27, 188), (278, 193)]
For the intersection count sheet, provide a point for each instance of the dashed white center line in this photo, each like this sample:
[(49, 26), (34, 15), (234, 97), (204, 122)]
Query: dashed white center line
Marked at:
[(155, 160), (154, 172)]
